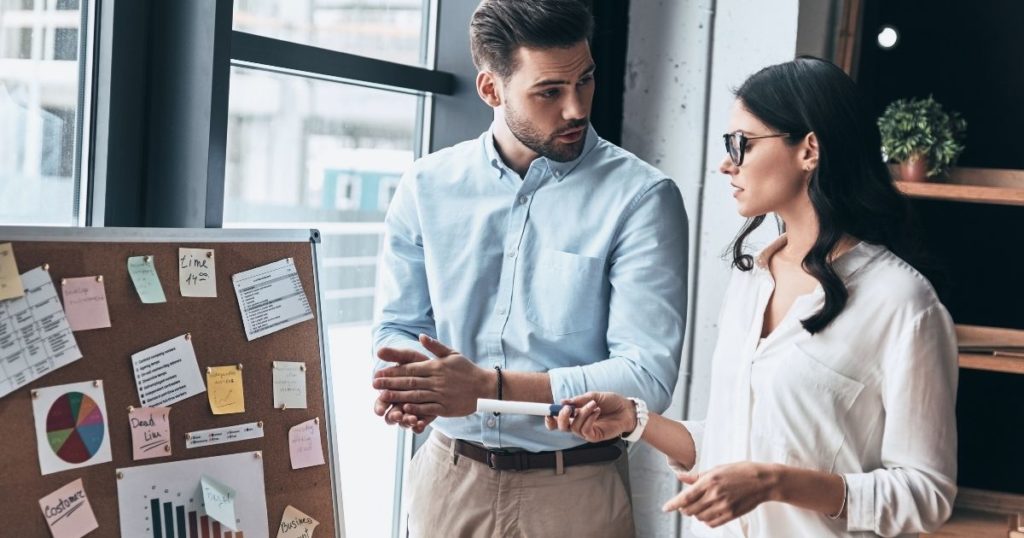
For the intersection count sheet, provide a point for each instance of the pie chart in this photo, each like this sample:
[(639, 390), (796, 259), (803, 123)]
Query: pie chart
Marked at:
[(75, 427)]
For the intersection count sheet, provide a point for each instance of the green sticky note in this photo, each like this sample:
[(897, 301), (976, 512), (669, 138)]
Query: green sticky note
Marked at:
[(218, 501), (143, 272)]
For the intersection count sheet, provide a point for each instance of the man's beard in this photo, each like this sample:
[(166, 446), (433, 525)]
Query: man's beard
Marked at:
[(548, 147)]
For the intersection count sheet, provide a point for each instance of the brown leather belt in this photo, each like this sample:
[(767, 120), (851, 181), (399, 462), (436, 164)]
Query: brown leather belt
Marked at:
[(501, 460)]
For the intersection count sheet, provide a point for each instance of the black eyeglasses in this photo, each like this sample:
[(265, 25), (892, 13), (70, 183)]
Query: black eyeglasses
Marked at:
[(736, 144)]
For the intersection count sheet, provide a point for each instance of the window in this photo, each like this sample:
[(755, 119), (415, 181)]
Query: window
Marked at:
[(319, 139), (42, 94)]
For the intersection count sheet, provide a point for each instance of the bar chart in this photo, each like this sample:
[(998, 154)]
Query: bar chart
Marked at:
[(170, 520), (165, 500)]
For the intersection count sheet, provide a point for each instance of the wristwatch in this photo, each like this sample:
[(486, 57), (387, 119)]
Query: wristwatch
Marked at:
[(641, 421)]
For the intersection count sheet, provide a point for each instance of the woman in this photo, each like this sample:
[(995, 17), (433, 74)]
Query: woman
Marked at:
[(833, 383)]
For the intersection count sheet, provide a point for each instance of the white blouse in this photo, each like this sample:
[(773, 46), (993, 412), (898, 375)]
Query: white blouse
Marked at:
[(872, 397)]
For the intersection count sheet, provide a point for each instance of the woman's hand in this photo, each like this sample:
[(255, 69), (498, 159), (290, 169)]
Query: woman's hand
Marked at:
[(599, 416), (727, 492)]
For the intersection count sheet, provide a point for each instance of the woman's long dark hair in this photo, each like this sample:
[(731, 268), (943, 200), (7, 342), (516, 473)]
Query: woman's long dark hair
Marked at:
[(851, 190)]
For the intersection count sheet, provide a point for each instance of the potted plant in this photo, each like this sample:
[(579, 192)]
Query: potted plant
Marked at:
[(921, 136)]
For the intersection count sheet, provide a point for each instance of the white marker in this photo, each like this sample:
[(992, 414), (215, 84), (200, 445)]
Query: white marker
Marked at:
[(483, 405)]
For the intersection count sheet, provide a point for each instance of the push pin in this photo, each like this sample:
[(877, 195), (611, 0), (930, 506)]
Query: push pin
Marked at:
[(149, 259), (302, 367), (291, 260), (96, 383), (209, 370), (317, 421), (188, 436), (131, 408), (283, 407), (46, 267), (120, 475), (99, 278), (256, 455), (167, 449), (35, 394), (188, 336), (209, 253), (238, 366), (259, 424), (63, 282)]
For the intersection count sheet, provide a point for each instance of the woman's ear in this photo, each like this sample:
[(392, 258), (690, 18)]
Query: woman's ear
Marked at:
[(809, 152), (488, 87)]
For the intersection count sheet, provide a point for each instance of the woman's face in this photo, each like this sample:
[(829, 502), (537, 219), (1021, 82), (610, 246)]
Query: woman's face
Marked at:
[(774, 175)]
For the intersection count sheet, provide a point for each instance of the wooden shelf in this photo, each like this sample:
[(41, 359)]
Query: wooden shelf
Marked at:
[(977, 185), (992, 363), (980, 513), (973, 335)]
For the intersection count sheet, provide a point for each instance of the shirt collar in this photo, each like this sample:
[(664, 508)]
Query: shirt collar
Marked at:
[(845, 265), (558, 169)]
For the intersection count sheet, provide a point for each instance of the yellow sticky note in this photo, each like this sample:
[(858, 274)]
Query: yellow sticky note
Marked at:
[(224, 387), (10, 281)]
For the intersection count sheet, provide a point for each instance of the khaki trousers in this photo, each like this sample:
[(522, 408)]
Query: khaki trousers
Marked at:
[(455, 497)]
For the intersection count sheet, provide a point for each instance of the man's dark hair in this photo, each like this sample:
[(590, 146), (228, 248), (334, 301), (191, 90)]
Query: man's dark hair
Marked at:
[(499, 27)]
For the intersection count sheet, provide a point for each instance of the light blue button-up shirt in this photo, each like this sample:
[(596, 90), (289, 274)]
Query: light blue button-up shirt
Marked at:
[(577, 269)]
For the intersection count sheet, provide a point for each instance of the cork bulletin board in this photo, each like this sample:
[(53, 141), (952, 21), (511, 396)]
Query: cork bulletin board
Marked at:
[(218, 337)]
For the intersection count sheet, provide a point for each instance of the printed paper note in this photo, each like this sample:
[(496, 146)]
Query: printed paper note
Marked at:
[(151, 432), (295, 524), (271, 298), (71, 426), (289, 385), (10, 281), (167, 373), (85, 302), (219, 501), (304, 445), (146, 494), (67, 511), (225, 388), (227, 434), (197, 273), (147, 282), (34, 334)]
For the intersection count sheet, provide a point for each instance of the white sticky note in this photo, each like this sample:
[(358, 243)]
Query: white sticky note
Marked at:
[(289, 385), (218, 501), (271, 298), (197, 272), (40, 339), (295, 524), (10, 281), (147, 282), (71, 426), (68, 512), (85, 302), (167, 373), (304, 445)]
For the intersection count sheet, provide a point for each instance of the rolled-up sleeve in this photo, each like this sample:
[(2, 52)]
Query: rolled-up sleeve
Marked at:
[(647, 305), (403, 310), (914, 490)]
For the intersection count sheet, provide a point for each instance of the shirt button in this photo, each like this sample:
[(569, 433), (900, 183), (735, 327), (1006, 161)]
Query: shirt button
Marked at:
[(558, 173), (523, 199), (512, 253), (491, 422), (501, 310)]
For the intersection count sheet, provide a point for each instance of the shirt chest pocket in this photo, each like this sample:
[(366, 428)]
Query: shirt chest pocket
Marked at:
[(812, 403), (564, 292)]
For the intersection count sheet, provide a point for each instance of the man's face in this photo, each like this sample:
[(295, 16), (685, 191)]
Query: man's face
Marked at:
[(547, 100)]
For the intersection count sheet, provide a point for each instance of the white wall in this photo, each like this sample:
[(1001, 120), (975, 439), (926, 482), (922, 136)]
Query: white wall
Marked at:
[(685, 57)]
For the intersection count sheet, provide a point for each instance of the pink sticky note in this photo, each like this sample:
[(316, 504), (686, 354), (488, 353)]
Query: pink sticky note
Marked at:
[(85, 303), (151, 432), (67, 511), (304, 444)]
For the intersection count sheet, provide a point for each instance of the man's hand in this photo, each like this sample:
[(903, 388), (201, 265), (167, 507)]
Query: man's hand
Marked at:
[(447, 386), (393, 414), (599, 416)]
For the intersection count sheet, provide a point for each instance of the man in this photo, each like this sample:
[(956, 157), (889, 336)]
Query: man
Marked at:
[(555, 263)]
